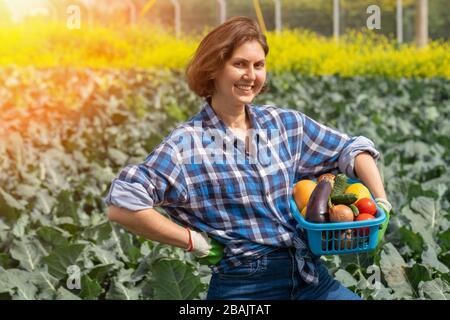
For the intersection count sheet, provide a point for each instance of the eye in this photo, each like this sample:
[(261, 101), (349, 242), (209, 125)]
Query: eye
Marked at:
[(260, 65), (239, 64)]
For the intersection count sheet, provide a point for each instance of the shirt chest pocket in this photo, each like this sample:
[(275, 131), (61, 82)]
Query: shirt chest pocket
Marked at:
[(212, 192)]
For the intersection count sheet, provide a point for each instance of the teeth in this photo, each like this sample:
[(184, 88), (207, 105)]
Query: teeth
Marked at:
[(244, 87)]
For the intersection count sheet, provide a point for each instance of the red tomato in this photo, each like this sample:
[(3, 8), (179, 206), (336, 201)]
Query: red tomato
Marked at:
[(366, 205), (364, 232)]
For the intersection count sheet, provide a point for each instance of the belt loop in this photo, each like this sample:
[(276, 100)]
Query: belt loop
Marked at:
[(263, 266)]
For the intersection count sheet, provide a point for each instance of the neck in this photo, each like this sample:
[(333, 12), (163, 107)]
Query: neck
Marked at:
[(234, 116)]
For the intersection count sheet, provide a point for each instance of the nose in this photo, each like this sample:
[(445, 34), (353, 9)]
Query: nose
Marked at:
[(249, 74)]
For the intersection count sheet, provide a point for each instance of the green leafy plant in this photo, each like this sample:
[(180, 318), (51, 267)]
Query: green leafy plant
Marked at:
[(62, 148)]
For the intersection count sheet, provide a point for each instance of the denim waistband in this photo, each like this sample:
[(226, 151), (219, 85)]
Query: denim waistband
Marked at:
[(286, 252), (308, 274)]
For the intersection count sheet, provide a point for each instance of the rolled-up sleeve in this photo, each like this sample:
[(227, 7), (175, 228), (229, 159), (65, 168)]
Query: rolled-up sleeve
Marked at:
[(358, 145), (158, 181), (324, 149)]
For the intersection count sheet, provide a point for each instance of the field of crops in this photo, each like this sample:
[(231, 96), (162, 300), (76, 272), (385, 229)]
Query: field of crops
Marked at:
[(64, 141), (85, 104)]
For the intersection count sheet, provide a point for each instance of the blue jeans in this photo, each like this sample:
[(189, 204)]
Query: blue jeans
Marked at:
[(274, 277)]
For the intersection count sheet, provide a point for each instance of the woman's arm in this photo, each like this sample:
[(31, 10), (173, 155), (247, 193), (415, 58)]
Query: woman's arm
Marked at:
[(150, 224), (367, 171)]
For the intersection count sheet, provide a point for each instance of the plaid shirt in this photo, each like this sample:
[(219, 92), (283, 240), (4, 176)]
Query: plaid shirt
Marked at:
[(205, 179)]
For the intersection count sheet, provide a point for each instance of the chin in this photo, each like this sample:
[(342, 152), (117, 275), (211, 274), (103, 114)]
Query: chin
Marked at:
[(245, 100)]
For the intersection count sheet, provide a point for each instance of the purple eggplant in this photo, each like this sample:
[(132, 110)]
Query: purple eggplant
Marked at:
[(317, 207)]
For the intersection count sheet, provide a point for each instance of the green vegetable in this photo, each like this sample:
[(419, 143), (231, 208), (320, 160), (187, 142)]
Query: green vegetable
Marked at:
[(215, 254), (384, 226), (347, 198), (354, 209), (340, 184)]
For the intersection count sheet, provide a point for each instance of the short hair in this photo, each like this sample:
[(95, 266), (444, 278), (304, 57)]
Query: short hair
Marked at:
[(216, 48)]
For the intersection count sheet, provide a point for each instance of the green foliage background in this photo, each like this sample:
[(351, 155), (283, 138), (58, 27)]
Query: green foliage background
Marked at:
[(62, 151)]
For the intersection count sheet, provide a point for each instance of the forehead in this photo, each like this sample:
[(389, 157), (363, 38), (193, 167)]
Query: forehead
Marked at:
[(250, 50)]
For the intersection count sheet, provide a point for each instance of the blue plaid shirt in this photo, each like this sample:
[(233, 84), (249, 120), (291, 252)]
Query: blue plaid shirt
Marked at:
[(205, 179)]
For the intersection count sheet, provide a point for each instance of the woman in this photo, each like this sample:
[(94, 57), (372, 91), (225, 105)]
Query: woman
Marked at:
[(227, 173)]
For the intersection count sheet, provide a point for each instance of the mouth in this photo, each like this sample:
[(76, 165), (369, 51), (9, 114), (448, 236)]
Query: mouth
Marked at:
[(245, 88)]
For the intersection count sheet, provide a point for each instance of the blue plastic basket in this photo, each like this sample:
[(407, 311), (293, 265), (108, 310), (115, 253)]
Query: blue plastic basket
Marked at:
[(340, 237)]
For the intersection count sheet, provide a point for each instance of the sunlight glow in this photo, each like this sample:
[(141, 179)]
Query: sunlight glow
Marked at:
[(20, 9)]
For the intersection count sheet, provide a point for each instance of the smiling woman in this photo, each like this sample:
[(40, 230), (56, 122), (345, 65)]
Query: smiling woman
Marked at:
[(235, 214), (242, 76), (217, 50), (229, 70)]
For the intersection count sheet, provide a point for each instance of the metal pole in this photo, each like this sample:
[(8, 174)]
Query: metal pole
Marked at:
[(259, 15), (277, 15), (336, 19), (222, 10), (422, 23), (399, 21), (132, 7), (177, 17), (147, 7)]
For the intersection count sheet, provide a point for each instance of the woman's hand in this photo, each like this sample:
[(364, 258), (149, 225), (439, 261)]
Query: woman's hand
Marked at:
[(384, 204), (208, 251)]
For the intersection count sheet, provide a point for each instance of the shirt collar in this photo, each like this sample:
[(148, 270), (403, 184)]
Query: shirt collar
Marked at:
[(211, 120)]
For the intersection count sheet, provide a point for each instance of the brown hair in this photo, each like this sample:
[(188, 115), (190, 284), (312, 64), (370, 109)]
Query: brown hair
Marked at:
[(216, 48)]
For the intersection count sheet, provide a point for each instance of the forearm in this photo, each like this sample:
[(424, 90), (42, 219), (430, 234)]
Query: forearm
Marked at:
[(367, 171), (150, 224)]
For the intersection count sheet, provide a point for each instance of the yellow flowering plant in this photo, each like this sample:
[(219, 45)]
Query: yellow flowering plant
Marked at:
[(356, 53)]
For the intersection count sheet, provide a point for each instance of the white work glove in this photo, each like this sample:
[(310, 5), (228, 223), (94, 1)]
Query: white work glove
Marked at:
[(387, 207), (200, 243), (384, 204)]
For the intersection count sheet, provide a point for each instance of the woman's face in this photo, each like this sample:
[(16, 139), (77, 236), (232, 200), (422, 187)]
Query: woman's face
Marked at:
[(243, 75)]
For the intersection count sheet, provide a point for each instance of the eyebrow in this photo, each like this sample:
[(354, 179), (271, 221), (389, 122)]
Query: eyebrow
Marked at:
[(239, 58)]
